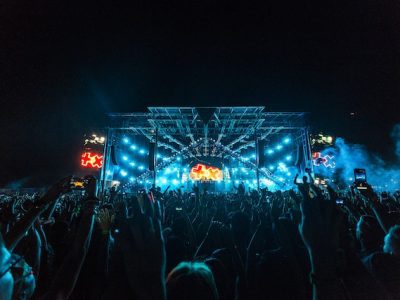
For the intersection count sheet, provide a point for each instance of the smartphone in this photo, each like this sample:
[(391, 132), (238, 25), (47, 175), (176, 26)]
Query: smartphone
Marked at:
[(360, 179), (178, 208), (78, 183), (339, 201), (360, 176)]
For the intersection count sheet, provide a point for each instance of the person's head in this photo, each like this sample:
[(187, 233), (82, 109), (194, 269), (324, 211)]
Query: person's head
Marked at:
[(392, 241), (369, 233), (6, 278), (191, 280), (240, 226), (305, 179)]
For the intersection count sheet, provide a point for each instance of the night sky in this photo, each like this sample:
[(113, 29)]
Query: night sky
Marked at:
[(62, 67)]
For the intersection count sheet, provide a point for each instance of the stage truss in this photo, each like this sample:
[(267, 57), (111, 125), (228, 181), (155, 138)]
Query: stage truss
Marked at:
[(210, 131)]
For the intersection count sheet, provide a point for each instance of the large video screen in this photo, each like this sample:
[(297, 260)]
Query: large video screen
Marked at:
[(201, 172)]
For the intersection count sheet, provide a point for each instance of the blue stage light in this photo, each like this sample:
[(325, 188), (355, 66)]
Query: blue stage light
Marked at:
[(270, 151), (289, 174), (253, 156), (123, 173), (271, 167), (184, 169), (178, 158), (141, 167), (133, 147), (175, 169), (126, 140), (125, 157), (279, 147), (131, 179), (158, 156), (254, 181), (142, 151), (132, 164), (163, 180), (175, 182), (289, 157), (236, 181), (168, 170), (286, 140)]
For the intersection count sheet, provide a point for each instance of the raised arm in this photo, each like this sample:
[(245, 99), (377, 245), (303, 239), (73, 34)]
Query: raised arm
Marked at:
[(68, 273), (20, 228)]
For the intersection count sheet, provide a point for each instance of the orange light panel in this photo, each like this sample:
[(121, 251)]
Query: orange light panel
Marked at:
[(205, 173), (91, 160)]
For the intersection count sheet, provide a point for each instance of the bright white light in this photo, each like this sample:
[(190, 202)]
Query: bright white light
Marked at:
[(168, 170), (163, 180), (289, 157), (132, 164), (243, 170), (184, 169), (270, 151), (236, 181), (289, 174), (126, 140), (123, 173), (254, 181), (125, 157), (286, 140), (282, 167), (175, 182), (267, 182), (133, 147), (281, 179), (279, 147)]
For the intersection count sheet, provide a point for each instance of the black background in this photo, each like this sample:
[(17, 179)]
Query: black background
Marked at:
[(63, 66)]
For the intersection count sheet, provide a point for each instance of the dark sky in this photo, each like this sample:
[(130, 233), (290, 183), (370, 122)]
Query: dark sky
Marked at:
[(64, 66)]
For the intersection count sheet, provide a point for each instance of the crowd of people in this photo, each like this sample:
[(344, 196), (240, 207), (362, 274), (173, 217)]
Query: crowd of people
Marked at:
[(311, 242)]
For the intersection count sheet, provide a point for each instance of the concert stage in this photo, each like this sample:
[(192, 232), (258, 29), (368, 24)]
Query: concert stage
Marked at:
[(166, 146)]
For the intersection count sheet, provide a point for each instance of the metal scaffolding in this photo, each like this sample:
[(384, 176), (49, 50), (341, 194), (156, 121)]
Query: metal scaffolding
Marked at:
[(224, 131)]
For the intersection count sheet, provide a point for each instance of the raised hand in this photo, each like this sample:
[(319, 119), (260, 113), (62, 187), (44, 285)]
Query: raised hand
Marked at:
[(105, 220), (143, 249), (319, 229)]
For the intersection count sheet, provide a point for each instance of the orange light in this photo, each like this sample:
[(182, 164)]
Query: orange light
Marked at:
[(205, 173), (91, 160)]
